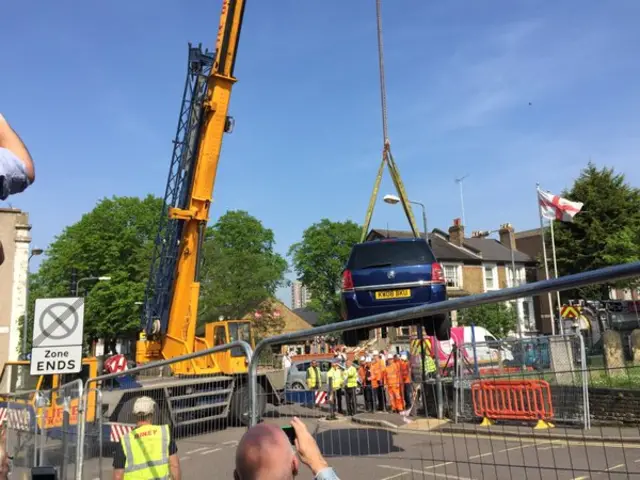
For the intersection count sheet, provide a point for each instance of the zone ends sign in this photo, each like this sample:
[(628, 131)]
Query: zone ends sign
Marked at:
[(56, 360), (57, 336)]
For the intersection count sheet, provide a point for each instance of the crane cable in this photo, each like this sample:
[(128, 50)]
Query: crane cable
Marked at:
[(387, 158), (383, 87)]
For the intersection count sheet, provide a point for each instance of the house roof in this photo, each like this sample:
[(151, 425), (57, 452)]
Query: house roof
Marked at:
[(534, 232), (473, 249), (307, 315)]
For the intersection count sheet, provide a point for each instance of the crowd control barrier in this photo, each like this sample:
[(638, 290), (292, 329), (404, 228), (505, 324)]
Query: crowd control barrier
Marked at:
[(513, 400)]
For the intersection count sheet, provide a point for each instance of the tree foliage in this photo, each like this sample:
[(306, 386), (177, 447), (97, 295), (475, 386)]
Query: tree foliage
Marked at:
[(268, 319), (115, 239), (500, 319), (240, 270), (607, 230), (319, 260)]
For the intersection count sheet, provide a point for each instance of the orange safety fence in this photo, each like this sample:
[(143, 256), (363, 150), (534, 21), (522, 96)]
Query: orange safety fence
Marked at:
[(513, 400)]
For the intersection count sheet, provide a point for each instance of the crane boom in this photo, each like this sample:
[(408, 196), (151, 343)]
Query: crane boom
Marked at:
[(171, 299)]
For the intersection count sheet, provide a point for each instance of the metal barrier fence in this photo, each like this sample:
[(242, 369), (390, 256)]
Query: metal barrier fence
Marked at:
[(191, 405), (559, 360), (427, 427), (40, 428), (531, 414)]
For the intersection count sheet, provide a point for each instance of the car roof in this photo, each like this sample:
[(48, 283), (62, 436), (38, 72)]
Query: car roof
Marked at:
[(390, 240)]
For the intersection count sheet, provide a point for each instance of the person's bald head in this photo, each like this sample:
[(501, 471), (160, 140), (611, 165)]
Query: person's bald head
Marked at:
[(264, 452)]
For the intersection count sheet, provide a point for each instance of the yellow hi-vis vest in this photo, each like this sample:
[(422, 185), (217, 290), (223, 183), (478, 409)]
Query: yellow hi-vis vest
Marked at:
[(415, 350), (147, 453), (351, 376), (313, 377), (336, 376)]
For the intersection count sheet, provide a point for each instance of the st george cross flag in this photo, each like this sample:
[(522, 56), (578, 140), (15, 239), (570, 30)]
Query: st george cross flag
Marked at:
[(554, 207)]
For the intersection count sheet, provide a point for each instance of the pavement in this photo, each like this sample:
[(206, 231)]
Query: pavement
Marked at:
[(422, 448)]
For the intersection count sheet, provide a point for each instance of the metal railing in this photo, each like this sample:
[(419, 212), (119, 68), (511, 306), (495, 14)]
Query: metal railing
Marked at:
[(615, 273), (246, 348)]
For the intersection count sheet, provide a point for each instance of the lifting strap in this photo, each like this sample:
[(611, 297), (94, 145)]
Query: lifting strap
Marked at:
[(387, 157)]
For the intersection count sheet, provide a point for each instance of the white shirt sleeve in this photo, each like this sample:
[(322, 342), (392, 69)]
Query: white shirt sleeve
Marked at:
[(13, 174)]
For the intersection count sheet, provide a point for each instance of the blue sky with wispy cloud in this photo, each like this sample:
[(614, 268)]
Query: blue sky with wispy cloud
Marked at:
[(511, 93)]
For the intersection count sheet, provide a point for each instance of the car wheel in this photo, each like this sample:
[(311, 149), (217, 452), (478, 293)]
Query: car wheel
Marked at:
[(297, 386)]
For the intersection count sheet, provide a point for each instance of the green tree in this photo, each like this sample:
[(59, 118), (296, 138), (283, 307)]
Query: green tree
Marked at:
[(319, 260), (607, 230), (268, 319), (498, 318), (115, 239), (240, 270)]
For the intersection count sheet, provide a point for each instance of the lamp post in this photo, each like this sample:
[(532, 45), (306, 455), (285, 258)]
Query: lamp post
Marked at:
[(86, 279), (25, 317), (393, 200)]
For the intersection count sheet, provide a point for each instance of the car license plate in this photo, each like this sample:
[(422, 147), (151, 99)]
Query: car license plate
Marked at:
[(391, 294)]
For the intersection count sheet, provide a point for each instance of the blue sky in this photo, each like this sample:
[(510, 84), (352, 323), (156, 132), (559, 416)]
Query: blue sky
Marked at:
[(510, 93)]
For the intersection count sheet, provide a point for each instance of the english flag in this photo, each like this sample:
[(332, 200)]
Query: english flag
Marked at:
[(554, 207)]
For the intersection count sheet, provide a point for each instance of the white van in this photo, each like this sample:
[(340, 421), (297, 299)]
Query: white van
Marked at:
[(487, 347)]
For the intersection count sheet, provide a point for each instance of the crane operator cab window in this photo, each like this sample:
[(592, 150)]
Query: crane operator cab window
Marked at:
[(239, 331), (219, 336)]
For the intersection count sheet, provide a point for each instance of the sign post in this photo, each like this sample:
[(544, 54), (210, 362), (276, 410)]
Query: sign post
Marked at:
[(57, 336)]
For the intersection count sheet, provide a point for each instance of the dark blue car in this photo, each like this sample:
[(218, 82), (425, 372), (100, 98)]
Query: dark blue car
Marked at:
[(392, 274)]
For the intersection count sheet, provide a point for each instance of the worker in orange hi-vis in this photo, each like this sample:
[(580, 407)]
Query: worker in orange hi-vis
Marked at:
[(392, 380), (376, 382), (405, 376)]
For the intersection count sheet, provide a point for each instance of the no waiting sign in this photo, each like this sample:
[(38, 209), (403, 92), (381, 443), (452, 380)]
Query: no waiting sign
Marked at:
[(58, 327)]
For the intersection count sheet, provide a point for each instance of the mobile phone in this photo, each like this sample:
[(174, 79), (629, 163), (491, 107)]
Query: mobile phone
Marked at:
[(291, 434)]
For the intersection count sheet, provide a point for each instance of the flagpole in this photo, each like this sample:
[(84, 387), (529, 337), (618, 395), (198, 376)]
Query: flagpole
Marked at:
[(544, 254), (555, 270)]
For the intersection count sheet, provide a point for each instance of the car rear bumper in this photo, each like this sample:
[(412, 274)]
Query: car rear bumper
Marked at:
[(351, 309)]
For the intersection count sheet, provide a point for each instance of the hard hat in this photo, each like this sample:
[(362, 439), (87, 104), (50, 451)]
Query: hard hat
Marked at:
[(403, 356), (362, 359), (144, 406), (390, 357), (336, 361), (368, 359), (375, 352)]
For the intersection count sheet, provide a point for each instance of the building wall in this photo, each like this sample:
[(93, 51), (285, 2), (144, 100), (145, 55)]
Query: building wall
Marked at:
[(15, 237), (531, 244), (300, 295), (472, 278)]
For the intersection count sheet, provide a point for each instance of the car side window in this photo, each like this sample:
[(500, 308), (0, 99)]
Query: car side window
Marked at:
[(325, 366), (303, 367)]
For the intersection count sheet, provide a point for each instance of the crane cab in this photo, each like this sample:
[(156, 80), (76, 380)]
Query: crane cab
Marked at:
[(234, 360)]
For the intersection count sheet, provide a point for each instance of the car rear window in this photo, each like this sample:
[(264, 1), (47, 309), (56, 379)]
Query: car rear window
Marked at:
[(389, 254)]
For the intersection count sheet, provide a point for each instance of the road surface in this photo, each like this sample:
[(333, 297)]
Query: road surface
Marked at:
[(374, 453)]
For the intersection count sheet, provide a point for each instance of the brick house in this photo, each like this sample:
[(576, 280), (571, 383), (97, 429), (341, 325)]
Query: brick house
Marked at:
[(477, 264)]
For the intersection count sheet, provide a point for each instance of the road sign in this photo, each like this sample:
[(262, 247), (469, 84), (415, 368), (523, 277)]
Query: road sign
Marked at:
[(569, 311), (57, 336)]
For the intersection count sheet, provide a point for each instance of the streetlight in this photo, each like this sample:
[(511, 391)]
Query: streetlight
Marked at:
[(34, 252), (392, 200), (97, 279)]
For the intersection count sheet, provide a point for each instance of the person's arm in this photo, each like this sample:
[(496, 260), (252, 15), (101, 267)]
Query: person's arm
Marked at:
[(174, 467), (310, 452), (10, 140), (119, 461), (174, 461)]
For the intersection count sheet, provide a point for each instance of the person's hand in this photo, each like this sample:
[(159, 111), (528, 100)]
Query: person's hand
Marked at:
[(307, 447)]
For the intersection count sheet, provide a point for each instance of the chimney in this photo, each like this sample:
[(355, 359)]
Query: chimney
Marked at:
[(456, 232), (507, 236)]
